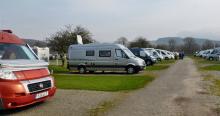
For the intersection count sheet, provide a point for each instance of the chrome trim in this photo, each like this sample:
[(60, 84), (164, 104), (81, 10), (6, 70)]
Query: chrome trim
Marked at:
[(27, 82)]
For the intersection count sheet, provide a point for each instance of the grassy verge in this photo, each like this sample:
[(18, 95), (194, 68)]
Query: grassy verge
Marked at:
[(206, 65), (101, 109), (105, 82), (160, 65), (204, 61), (211, 68), (58, 69), (166, 62), (157, 67), (214, 87), (102, 82)]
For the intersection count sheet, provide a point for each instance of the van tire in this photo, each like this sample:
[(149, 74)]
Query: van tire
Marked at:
[(131, 70), (148, 63), (82, 70), (91, 71)]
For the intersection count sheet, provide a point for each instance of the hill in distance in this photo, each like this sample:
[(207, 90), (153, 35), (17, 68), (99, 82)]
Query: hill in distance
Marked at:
[(179, 41), (33, 42)]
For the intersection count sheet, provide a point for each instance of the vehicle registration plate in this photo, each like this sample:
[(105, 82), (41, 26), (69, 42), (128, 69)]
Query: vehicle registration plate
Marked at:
[(40, 95)]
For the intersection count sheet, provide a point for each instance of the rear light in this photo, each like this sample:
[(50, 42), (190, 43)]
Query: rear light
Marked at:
[(8, 75)]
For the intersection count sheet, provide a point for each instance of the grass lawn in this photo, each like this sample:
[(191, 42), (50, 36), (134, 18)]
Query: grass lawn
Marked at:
[(167, 62), (206, 65), (160, 65), (55, 62), (58, 69), (211, 68), (216, 87), (157, 67), (102, 82), (204, 61), (105, 82), (215, 84)]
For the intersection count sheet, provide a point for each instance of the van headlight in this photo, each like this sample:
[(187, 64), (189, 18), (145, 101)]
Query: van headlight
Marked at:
[(8, 75)]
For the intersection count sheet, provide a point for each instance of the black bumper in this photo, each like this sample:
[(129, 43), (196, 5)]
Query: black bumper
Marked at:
[(139, 68)]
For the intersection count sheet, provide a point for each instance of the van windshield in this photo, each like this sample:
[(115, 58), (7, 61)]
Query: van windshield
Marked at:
[(148, 52), (129, 53), (15, 51)]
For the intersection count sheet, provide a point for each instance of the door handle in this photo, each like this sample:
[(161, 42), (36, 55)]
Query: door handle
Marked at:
[(116, 59)]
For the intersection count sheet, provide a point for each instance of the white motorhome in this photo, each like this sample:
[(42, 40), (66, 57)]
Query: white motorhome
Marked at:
[(103, 57), (42, 53)]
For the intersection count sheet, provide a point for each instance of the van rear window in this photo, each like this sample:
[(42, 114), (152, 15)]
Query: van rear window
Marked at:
[(105, 53), (90, 53)]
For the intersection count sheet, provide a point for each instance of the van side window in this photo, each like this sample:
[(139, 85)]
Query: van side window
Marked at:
[(105, 53), (90, 53), (120, 53)]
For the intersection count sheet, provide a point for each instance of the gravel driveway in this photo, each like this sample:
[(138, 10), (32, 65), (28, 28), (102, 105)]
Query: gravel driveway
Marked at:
[(178, 92), (65, 103)]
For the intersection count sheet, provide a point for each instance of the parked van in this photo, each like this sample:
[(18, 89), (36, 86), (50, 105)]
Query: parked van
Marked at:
[(165, 54), (24, 79), (154, 53), (206, 53), (103, 57), (214, 55), (145, 55)]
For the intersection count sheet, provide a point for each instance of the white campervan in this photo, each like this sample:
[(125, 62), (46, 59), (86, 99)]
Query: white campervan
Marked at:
[(103, 57)]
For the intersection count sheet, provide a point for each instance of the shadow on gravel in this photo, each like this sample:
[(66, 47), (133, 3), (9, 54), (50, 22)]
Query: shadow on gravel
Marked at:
[(17, 110)]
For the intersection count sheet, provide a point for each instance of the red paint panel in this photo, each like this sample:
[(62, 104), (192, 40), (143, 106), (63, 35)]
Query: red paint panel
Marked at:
[(6, 37), (31, 74)]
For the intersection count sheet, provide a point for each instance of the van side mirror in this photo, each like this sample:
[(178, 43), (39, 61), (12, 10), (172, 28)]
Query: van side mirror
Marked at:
[(142, 54)]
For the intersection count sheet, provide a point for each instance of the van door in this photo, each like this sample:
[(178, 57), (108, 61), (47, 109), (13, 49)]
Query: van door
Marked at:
[(105, 60), (120, 60)]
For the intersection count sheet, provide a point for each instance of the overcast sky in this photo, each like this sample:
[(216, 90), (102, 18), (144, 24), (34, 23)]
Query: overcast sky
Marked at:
[(110, 19)]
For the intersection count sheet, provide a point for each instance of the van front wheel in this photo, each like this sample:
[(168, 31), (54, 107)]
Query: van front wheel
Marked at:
[(130, 70), (82, 70)]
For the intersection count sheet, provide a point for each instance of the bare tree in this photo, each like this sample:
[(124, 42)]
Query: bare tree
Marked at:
[(140, 42), (208, 44), (162, 46), (172, 44), (122, 40), (217, 45), (190, 46)]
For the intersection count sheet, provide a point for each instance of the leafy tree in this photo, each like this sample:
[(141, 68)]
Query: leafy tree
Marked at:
[(61, 40), (140, 42)]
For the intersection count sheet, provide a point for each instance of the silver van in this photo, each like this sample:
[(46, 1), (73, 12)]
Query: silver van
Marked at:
[(214, 55), (103, 57)]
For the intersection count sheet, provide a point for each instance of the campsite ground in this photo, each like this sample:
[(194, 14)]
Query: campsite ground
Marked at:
[(178, 90)]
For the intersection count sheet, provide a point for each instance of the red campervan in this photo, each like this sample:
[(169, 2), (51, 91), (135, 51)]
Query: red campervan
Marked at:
[(24, 79)]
